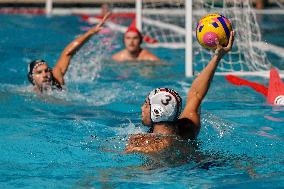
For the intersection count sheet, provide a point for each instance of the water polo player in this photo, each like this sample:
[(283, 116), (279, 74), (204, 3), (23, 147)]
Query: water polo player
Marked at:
[(133, 50), (44, 78), (162, 107)]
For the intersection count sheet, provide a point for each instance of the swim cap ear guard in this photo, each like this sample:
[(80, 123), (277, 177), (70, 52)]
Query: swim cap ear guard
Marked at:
[(31, 67), (165, 105)]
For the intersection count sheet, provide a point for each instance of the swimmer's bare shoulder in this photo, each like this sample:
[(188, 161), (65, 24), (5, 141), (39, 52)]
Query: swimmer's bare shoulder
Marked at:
[(119, 56), (148, 143), (148, 56), (144, 55)]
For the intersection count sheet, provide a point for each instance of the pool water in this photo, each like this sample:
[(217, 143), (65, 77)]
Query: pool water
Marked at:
[(76, 139)]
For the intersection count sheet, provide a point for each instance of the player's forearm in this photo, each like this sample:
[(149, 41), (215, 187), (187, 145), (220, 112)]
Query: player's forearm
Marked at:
[(78, 42), (64, 60), (201, 84)]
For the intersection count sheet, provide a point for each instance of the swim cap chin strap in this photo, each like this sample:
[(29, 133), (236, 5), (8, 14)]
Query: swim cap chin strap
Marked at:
[(165, 105)]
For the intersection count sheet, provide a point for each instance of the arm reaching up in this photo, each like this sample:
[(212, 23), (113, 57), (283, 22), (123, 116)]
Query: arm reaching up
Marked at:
[(201, 85), (62, 64)]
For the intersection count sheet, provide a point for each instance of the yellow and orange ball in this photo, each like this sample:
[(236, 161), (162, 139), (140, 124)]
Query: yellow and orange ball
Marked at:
[(213, 26)]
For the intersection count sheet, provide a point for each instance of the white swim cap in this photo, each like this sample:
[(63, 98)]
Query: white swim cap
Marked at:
[(279, 100), (165, 105)]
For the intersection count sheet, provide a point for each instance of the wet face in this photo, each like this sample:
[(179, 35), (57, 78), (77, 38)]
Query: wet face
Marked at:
[(42, 76), (146, 114), (132, 41)]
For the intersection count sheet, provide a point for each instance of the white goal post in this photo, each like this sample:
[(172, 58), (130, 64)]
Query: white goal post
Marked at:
[(187, 32)]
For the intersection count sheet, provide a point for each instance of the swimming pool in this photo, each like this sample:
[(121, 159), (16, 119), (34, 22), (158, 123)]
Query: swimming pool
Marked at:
[(75, 139)]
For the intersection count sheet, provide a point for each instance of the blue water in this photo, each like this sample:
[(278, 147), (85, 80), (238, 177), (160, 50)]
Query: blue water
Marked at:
[(76, 139)]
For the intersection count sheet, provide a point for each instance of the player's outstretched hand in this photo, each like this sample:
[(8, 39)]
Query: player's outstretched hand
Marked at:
[(98, 27)]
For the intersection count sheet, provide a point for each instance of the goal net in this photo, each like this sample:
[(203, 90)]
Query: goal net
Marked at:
[(164, 21)]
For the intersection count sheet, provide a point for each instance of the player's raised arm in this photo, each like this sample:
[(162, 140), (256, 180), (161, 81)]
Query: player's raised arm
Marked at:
[(201, 84), (62, 64)]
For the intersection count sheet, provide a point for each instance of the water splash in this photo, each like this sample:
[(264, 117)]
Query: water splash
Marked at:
[(129, 128), (221, 127)]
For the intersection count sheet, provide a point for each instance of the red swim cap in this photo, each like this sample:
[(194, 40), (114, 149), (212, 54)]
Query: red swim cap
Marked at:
[(132, 28), (135, 30)]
